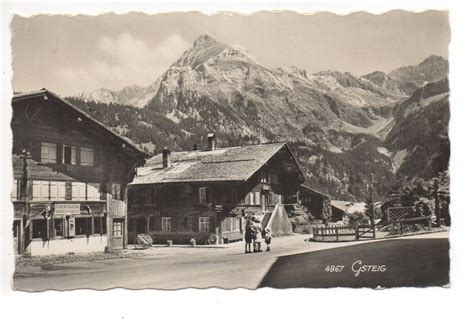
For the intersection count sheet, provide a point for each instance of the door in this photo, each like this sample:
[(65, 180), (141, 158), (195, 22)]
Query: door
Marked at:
[(117, 233)]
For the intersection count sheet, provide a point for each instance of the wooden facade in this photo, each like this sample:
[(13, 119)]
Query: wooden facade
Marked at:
[(198, 207), (314, 201), (70, 176)]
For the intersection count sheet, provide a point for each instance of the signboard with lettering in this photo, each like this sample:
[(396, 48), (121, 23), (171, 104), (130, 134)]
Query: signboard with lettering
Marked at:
[(67, 209), (219, 208)]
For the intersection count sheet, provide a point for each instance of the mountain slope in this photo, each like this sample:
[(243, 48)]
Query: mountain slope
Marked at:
[(223, 88), (340, 126), (418, 138), (431, 69)]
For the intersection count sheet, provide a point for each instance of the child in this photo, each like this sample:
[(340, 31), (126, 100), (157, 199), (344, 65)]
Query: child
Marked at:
[(268, 238), (248, 236)]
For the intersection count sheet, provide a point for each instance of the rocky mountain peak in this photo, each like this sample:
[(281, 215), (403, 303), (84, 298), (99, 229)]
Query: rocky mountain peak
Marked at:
[(204, 40)]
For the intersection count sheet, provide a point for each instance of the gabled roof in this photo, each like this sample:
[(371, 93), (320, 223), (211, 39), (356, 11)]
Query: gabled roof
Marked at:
[(101, 128), (349, 207), (224, 164), (313, 191)]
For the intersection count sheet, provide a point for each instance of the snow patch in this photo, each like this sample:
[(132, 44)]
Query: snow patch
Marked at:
[(384, 151)]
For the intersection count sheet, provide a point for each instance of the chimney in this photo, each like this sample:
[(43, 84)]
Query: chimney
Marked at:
[(211, 141), (166, 157)]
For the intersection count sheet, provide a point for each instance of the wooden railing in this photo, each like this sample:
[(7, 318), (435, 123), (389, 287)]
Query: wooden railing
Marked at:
[(415, 219), (365, 231), (320, 233)]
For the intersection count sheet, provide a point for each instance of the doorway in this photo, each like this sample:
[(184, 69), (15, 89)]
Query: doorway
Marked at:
[(117, 233)]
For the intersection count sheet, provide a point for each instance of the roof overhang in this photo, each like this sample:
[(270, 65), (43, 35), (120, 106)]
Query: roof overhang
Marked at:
[(46, 95)]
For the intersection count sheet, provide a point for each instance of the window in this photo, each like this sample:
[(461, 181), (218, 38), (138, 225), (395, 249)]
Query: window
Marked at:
[(14, 192), (39, 228), (46, 190), (257, 198), (251, 198), (265, 177), (117, 228), (58, 227), (69, 155), (203, 194), (57, 191), (83, 225), (204, 224), (166, 224), (40, 190), (100, 225), (116, 191), (78, 191), (235, 224), (87, 156), (93, 191), (48, 153)]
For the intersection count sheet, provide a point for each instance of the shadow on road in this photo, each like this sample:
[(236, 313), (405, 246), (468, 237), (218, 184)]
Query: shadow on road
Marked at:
[(409, 262)]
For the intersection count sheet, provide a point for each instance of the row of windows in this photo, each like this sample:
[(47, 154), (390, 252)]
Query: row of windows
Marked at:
[(166, 224), (83, 226), (175, 196), (69, 155), (57, 191)]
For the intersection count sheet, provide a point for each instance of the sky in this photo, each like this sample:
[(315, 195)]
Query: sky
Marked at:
[(71, 54)]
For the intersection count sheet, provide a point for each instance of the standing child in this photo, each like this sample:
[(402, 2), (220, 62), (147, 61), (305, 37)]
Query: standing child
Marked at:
[(268, 238), (248, 236), (258, 236)]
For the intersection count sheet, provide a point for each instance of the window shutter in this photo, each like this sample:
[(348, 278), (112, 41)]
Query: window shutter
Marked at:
[(57, 150), (44, 191), (82, 191), (93, 192), (90, 191), (75, 191), (14, 192), (61, 191), (73, 155), (36, 190), (257, 198), (54, 191), (44, 153)]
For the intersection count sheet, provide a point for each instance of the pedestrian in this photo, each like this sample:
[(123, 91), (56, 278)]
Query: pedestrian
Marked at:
[(248, 236), (268, 238), (258, 236)]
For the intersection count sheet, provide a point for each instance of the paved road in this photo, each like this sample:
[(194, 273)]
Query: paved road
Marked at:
[(175, 268), (394, 263)]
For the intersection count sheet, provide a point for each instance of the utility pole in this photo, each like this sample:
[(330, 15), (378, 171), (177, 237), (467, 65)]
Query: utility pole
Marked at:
[(25, 235), (371, 199)]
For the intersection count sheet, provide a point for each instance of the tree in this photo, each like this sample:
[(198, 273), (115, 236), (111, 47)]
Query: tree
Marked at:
[(326, 214)]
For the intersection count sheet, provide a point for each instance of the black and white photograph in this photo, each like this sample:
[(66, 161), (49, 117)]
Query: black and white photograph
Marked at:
[(273, 150), (233, 160)]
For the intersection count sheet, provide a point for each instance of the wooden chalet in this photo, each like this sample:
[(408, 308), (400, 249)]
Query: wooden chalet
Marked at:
[(314, 201), (69, 178), (182, 195)]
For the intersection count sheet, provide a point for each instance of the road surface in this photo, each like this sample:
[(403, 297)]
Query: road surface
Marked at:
[(291, 263)]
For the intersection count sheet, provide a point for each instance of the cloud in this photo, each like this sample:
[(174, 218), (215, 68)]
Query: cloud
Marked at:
[(125, 60)]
